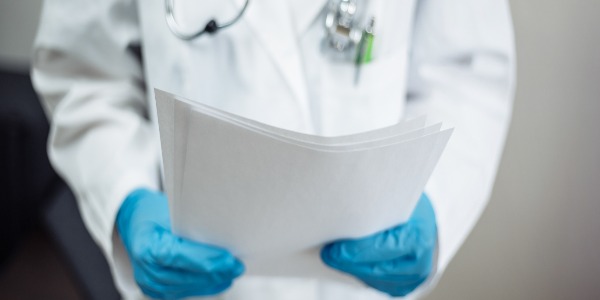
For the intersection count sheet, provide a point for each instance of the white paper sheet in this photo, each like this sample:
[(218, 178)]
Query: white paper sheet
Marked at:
[(273, 197)]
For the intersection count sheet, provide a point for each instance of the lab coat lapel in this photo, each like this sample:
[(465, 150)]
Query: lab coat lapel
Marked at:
[(306, 11), (270, 21)]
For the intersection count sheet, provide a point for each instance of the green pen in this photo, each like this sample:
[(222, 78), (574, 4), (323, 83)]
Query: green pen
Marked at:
[(364, 53)]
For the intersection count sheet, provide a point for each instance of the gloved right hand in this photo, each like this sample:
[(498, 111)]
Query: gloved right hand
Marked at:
[(166, 266)]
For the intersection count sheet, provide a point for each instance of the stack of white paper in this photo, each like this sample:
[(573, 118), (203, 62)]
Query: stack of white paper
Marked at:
[(273, 197)]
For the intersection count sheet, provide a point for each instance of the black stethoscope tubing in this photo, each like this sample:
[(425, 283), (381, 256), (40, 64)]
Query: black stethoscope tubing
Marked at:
[(211, 27)]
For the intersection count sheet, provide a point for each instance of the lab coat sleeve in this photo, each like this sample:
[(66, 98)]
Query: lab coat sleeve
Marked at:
[(91, 82), (462, 73)]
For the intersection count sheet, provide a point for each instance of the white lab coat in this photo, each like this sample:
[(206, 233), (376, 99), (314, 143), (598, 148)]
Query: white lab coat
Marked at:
[(451, 60)]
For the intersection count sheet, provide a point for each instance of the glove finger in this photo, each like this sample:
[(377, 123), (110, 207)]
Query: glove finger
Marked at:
[(156, 286), (355, 269), (213, 290), (404, 267), (147, 284), (176, 277), (389, 244), (178, 253), (400, 268), (166, 292), (396, 288)]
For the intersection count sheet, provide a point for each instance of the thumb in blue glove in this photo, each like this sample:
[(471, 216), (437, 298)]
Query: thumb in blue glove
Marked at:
[(395, 261), (166, 266)]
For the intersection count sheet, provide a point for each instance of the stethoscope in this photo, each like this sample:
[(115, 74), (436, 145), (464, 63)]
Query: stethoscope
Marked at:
[(211, 27), (342, 22)]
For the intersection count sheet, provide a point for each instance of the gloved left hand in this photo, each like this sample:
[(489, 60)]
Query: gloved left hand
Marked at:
[(166, 266), (395, 261)]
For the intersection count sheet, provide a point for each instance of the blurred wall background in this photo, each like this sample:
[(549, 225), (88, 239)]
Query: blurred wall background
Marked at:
[(540, 236), (18, 25)]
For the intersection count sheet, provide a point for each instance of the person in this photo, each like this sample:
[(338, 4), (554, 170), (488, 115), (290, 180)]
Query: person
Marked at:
[(95, 64)]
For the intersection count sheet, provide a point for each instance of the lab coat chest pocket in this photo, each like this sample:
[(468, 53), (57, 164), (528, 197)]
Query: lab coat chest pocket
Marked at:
[(378, 79), (373, 94), (393, 23), (375, 100), (390, 51)]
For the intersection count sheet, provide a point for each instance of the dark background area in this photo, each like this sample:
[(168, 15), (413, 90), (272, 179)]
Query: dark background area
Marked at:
[(46, 252), (36, 270)]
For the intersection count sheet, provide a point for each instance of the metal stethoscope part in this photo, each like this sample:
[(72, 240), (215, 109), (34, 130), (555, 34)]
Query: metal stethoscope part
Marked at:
[(342, 23)]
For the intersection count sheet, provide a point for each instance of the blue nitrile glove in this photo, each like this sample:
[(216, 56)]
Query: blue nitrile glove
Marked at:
[(395, 261), (166, 266)]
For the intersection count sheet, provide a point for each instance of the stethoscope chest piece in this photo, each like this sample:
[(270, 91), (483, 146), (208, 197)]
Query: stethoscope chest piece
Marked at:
[(345, 24)]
